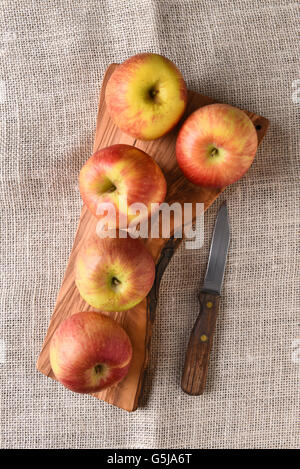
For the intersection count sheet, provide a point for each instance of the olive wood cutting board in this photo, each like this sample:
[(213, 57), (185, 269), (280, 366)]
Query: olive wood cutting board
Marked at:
[(137, 321)]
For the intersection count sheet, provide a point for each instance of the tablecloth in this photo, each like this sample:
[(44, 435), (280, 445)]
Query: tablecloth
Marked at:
[(53, 55)]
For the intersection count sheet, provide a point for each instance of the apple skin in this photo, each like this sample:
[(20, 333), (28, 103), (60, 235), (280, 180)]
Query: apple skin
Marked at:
[(216, 145), (114, 274), (121, 170), (146, 96), (90, 352)]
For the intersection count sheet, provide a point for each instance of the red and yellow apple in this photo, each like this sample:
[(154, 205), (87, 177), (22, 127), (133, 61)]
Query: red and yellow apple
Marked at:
[(216, 145), (146, 96), (90, 352), (121, 173), (114, 274)]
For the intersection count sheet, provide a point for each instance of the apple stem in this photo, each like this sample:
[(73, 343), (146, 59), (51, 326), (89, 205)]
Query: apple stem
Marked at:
[(214, 152), (98, 369), (112, 188), (115, 281), (153, 93)]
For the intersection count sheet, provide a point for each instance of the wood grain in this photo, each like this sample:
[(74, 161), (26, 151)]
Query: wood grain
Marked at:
[(138, 321), (199, 346)]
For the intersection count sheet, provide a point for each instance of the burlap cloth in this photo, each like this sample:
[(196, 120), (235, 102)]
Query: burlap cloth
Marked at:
[(52, 56)]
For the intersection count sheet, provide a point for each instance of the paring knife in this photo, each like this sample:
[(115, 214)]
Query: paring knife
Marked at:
[(197, 356)]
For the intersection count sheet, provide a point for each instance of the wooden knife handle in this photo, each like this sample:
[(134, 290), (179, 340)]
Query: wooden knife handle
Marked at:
[(197, 356)]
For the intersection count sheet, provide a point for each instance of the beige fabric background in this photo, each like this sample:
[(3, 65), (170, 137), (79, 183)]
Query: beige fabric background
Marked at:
[(52, 59)]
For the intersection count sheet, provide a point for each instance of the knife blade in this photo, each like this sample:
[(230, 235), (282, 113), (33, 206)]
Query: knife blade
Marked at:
[(197, 357), (218, 253)]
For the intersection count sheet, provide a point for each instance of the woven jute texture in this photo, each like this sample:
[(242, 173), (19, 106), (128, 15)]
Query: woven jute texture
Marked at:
[(52, 59)]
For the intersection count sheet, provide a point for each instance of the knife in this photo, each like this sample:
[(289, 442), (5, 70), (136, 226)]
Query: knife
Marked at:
[(197, 356)]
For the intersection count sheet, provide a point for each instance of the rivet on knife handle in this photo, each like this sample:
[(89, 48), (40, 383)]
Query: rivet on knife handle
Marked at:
[(197, 356)]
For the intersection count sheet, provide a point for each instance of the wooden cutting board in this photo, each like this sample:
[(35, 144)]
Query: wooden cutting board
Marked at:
[(138, 321)]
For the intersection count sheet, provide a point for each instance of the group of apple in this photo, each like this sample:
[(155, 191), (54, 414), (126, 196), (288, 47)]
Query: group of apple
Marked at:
[(146, 97)]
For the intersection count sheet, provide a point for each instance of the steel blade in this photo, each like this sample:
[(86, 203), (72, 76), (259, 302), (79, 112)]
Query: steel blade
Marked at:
[(218, 252)]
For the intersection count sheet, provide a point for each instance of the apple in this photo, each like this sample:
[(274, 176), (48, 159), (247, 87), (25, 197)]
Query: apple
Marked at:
[(146, 96), (216, 145), (114, 274), (117, 173), (90, 352)]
